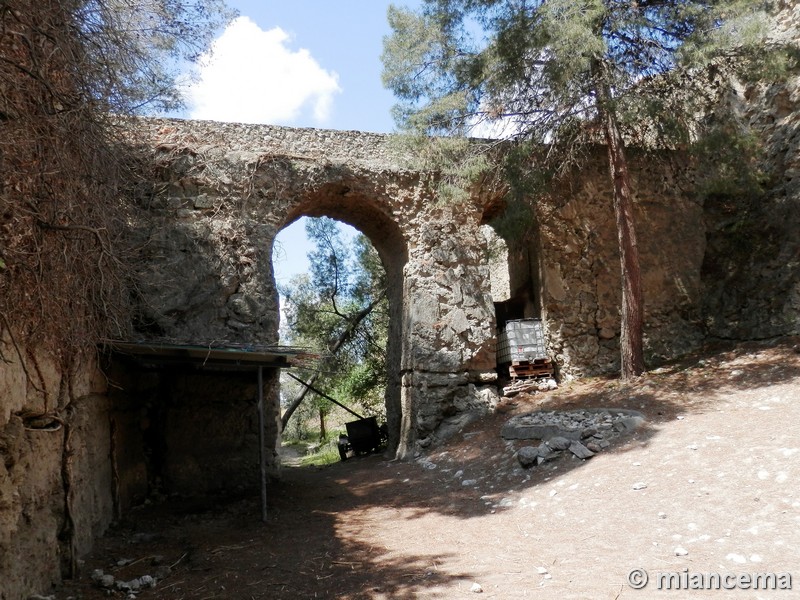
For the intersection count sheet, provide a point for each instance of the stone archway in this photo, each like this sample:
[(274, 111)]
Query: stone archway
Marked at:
[(223, 193), (340, 202)]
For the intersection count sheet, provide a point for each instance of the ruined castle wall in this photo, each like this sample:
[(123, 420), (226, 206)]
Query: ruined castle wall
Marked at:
[(751, 269), (222, 193), (714, 266), (751, 272)]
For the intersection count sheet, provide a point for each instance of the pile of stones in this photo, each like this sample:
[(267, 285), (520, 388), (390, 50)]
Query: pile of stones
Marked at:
[(133, 586), (583, 432)]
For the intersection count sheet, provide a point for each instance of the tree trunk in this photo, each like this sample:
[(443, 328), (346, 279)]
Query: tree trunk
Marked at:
[(322, 433), (348, 332), (631, 344), (297, 401)]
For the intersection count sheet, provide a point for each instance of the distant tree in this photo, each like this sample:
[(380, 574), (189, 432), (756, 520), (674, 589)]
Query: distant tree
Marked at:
[(340, 309), (558, 74)]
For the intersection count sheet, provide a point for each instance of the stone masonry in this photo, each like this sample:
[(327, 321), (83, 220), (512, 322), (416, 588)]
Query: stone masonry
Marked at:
[(224, 191), (221, 192), (217, 194)]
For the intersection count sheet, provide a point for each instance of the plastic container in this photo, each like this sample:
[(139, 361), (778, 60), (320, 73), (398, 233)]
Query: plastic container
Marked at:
[(522, 340)]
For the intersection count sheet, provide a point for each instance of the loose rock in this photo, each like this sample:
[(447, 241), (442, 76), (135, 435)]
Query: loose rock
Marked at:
[(558, 443), (594, 447), (580, 450), (576, 425), (527, 456)]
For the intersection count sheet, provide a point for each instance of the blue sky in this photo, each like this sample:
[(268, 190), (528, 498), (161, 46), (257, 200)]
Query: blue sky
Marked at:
[(300, 63)]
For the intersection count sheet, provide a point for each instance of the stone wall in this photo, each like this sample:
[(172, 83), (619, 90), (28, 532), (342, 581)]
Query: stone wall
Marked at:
[(222, 192), (55, 473), (77, 453), (714, 265), (580, 272), (751, 272)]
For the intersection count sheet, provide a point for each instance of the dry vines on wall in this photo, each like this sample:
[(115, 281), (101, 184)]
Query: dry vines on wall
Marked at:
[(62, 270)]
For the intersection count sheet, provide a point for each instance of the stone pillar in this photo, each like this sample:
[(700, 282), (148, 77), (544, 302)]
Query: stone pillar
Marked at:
[(272, 421), (449, 350)]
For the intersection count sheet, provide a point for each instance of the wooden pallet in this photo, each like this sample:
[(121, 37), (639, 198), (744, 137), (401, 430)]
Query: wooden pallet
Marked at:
[(540, 367)]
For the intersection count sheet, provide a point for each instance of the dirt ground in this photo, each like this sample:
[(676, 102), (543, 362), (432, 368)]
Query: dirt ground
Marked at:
[(709, 484)]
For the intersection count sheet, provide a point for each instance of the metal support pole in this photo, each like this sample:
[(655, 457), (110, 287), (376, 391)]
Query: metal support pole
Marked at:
[(261, 444)]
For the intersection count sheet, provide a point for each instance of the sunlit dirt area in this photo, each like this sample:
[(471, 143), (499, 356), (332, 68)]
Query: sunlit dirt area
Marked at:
[(708, 485)]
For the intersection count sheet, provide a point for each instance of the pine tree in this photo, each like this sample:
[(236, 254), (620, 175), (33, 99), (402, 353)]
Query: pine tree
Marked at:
[(560, 74), (340, 309)]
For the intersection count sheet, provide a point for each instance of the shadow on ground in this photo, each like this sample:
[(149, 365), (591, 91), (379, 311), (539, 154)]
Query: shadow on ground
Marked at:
[(313, 543)]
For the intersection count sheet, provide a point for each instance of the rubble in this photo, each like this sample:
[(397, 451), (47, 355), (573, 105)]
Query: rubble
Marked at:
[(583, 432), (574, 425), (530, 385), (109, 582)]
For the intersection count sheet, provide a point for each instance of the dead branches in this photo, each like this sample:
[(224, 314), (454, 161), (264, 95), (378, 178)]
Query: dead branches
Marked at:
[(62, 266)]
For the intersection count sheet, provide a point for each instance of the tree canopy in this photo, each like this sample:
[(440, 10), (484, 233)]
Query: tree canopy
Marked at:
[(137, 53), (533, 69), (562, 74)]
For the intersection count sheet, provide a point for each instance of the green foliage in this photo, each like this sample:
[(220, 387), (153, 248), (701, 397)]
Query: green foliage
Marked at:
[(515, 221), (312, 451), (327, 454), (534, 72), (137, 52), (729, 165), (343, 298)]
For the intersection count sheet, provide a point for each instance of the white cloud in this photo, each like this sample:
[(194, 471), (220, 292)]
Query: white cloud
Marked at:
[(252, 76)]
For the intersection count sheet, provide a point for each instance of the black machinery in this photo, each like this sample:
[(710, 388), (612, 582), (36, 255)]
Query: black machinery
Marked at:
[(363, 436)]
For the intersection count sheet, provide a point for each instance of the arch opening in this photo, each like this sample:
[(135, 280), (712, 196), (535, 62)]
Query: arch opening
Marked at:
[(515, 277), (383, 239)]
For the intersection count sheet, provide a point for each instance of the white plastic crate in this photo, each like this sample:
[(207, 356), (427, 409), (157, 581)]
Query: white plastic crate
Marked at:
[(522, 340)]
